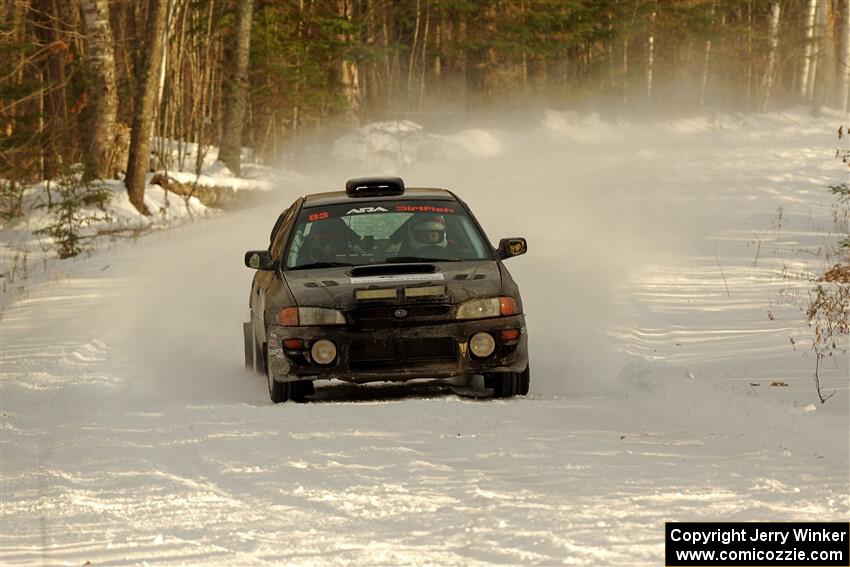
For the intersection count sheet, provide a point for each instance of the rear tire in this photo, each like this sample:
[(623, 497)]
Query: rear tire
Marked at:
[(259, 357), (524, 381), (248, 335), (508, 384)]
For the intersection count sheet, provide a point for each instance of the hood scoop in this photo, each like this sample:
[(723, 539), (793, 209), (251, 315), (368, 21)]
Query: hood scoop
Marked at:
[(393, 270)]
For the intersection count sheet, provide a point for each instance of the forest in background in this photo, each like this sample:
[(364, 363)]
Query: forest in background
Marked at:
[(99, 82)]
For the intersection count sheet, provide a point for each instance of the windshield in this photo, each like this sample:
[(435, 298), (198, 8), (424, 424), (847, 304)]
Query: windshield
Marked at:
[(355, 234)]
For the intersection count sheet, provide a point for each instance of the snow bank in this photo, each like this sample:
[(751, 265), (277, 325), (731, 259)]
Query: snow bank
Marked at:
[(581, 128), (22, 248), (385, 146), (254, 177), (166, 209), (396, 146), (183, 156), (471, 143)]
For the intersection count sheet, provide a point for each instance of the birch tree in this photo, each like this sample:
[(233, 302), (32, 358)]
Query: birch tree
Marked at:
[(809, 33), (844, 60), (821, 73), (650, 56), (706, 64), (236, 91), (770, 72), (100, 162)]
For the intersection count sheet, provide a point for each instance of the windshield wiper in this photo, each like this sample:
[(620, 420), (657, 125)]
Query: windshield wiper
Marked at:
[(317, 265), (405, 259)]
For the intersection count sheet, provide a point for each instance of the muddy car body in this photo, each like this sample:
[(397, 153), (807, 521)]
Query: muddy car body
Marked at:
[(383, 283)]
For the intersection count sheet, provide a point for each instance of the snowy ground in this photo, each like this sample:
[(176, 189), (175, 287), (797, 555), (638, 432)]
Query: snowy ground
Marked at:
[(131, 434)]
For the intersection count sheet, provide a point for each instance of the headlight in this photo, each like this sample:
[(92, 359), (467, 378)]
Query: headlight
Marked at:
[(487, 307), (307, 316)]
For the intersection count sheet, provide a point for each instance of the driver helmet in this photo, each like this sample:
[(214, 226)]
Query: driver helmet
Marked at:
[(429, 231), (328, 239)]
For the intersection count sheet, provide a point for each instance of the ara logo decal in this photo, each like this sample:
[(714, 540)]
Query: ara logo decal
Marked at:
[(366, 210)]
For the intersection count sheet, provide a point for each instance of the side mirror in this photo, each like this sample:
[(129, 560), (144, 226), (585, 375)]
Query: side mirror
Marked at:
[(510, 247), (259, 260)]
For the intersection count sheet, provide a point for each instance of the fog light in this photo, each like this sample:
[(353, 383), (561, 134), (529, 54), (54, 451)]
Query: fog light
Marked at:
[(323, 351), (482, 344)]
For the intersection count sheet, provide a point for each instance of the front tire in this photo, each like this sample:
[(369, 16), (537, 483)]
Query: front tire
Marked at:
[(297, 391), (508, 384)]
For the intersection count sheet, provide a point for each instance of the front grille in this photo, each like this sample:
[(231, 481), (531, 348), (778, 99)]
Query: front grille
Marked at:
[(387, 313), (364, 355)]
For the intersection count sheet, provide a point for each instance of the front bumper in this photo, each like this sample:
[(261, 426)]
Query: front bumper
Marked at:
[(288, 365)]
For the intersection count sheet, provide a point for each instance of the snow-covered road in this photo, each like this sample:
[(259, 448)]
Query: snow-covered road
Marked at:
[(130, 432)]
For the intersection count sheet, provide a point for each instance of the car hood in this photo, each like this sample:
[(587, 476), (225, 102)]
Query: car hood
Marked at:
[(335, 287)]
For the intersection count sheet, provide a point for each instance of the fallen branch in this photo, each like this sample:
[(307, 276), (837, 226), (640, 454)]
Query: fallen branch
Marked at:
[(214, 196)]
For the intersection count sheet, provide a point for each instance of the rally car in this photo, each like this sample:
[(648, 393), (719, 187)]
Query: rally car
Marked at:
[(384, 283)]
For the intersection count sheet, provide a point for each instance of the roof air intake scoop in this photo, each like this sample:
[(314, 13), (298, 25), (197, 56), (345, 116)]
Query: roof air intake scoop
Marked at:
[(374, 186)]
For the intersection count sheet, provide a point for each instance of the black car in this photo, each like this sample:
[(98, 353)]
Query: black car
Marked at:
[(384, 283)]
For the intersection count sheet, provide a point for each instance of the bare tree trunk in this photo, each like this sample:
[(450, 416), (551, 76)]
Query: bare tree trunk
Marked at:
[(349, 72), (438, 46), (462, 59), (201, 103), (385, 43), (411, 62), (844, 60), (749, 102), (162, 119), (295, 118), (650, 57), (807, 56), (626, 40), (821, 82), (773, 38), (817, 49), (424, 64), (45, 15), (236, 92), (140, 137), (706, 63), (523, 47), (626, 71), (101, 54)]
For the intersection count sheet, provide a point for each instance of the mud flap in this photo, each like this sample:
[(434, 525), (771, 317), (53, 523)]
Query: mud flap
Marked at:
[(474, 388)]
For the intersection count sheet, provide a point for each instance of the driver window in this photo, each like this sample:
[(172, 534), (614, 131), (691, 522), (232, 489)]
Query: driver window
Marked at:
[(276, 227), (285, 221)]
